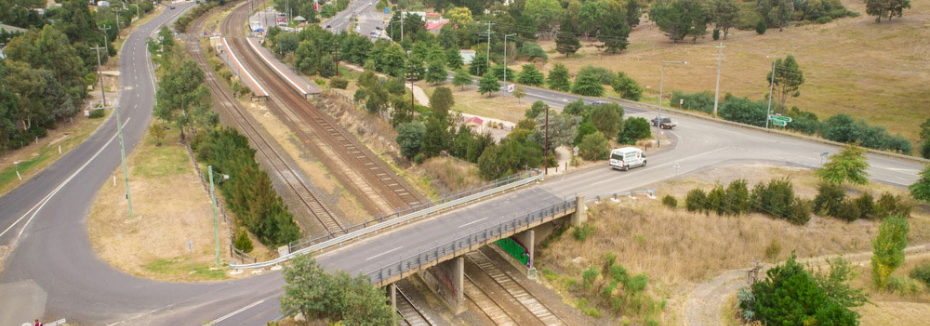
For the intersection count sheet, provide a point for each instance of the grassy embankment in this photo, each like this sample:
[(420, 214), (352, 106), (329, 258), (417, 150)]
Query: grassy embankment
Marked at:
[(677, 249)]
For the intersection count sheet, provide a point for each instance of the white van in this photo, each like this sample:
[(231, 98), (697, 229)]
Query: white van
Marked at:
[(626, 158)]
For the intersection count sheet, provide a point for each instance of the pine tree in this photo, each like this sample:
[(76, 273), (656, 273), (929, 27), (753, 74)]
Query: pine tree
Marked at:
[(567, 42), (461, 79), (558, 78), (488, 85)]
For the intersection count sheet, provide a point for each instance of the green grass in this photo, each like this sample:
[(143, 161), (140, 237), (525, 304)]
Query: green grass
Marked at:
[(161, 160), (180, 267)]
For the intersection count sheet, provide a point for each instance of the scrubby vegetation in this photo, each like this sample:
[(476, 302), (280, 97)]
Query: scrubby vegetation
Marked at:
[(776, 199)]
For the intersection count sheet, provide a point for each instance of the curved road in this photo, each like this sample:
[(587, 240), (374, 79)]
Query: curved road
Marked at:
[(53, 272)]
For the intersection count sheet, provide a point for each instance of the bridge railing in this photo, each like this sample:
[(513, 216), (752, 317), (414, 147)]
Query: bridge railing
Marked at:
[(616, 195), (326, 241), (467, 243), (423, 209)]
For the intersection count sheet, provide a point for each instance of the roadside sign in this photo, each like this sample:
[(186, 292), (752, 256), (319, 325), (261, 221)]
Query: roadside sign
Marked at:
[(510, 88), (780, 123), (825, 154), (780, 118), (387, 10), (575, 149)]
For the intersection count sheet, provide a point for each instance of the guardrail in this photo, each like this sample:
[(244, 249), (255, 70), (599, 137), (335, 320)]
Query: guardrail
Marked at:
[(309, 241), (772, 131), (328, 241), (467, 243), (616, 195)]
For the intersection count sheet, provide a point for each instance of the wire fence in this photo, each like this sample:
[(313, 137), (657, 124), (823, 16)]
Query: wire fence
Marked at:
[(481, 191), (468, 243)]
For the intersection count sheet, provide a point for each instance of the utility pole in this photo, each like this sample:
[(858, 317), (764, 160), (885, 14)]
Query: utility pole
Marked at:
[(413, 105), (287, 9), (489, 45), (216, 228), (401, 25), (661, 81), (546, 159), (119, 130), (768, 112), (117, 21), (106, 42), (336, 57), (717, 88), (505, 57)]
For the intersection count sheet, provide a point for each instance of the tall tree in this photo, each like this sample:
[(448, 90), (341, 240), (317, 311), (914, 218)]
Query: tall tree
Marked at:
[(680, 18), (567, 42), (614, 31), (479, 64), (588, 83), (588, 18), (488, 85), (315, 293), (627, 87), (437, 137), (519, 92), (531, 76), (847, 165), (544, 12), (633, 12), (888, 249), (454, 58), (461, 79), (886, 8), (725, 13), (459, 16), (437, 72), (410, 138), (181, 93), (558, 78), (788, 78), (441, 101), (920, 190)]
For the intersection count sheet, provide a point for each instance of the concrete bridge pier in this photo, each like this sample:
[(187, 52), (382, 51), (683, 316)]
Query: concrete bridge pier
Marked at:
[(581, 213), (447, 281), (392, 293)]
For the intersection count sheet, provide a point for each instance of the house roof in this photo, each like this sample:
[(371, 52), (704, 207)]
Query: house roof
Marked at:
[(476, 120)]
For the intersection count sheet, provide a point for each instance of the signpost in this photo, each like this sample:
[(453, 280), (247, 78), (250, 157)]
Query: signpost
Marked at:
[(823, 157), (779, 120), (190, 246)]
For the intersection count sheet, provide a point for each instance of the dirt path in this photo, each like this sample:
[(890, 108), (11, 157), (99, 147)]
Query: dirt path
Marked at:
[(704, 305)]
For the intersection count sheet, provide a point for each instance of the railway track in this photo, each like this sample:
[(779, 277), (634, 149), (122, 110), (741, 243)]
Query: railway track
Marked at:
[(228, 103), (375, 184), (542, 314), (412, 315), (483, 301)]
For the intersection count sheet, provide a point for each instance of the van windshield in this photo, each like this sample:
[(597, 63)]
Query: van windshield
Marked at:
[(616, 156)]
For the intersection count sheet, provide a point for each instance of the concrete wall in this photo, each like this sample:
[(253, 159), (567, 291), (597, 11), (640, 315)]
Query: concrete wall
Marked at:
[(446, 280)]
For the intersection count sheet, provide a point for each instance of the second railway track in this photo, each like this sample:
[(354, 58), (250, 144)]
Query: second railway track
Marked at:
[(264, 147)]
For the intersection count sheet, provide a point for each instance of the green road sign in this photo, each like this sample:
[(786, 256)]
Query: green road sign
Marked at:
[(780, 118), (780, 123)]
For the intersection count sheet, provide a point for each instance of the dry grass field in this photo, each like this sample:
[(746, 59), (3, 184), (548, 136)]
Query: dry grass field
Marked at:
[(879, 72), (678, 249), (170, 208)]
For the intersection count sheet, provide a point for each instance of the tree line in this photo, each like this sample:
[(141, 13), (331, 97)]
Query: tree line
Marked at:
[(184, 100), (47, 70)]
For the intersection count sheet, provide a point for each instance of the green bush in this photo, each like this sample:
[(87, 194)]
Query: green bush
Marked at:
[(418, 159), (717, 200), (339, 82), (888, 205), (594, 147), (96, 114), (581, 232), (696, 200), (777, 199), (866, 205), (588, 277), (760, 27), (738, 201), (670, 201), (905, 285), (848, 211), (618, 274), (790, 295), (700, 101), (922, 272), (830, 196), (636, 283), (243, 242), (634, 129)]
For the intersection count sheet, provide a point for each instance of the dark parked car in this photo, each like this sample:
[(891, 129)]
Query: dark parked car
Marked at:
[(664, 123)]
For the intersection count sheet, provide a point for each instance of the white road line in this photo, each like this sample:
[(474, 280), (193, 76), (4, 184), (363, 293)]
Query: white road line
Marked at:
[(38, 206), (229, 315), (384, 253), (472, 222)]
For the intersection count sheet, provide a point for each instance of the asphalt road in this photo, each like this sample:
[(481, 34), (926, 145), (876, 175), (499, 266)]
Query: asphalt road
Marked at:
[(364, 10), (53, 272)]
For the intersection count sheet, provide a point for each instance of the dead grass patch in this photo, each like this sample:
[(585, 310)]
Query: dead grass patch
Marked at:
[(170, 208), (497, 106), (878, 72), (450, 175)]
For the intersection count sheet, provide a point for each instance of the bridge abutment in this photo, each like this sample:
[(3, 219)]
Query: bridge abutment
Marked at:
[(580, 216), (447, 281)]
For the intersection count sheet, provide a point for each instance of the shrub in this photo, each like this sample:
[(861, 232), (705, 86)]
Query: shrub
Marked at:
[(830, 197), (888, 205), (670, 201), (760, 27), (848, 211), (339, 82), (96, 114), (410, 138), (634, 129), (922, 273), (618, 274), (777, 199), (581, 232), (588, 277), (888, 249), (866, 205), (594, 147), (738, 197), (746, 304), (700, 101), (717, 200), (716, 34), (418, 159), (636, 283), (604, 75), (904, 285), (790, 295), (243, 242), (696, 200), (773, 250)]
